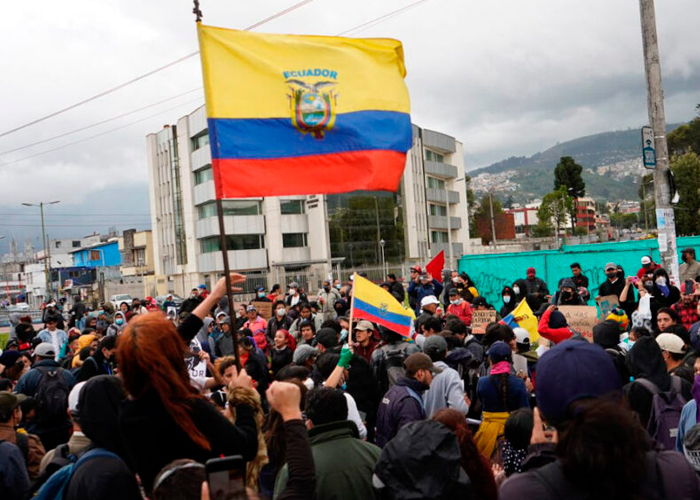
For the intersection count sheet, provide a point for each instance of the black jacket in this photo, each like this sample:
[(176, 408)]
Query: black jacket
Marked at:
[(608, 288), (280, 359)]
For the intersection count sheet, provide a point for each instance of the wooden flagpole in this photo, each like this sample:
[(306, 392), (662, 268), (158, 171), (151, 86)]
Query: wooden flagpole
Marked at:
[(352, 307), (227, 274)]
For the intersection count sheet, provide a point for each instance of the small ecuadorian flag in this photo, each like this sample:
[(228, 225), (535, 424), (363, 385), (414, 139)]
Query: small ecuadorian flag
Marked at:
[(523, 317), (293, 114), (373, 303)]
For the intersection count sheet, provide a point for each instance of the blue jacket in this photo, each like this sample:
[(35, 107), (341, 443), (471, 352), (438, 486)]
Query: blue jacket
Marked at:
[(488, 390), (689, 418), (28, 383), (419, 291), (399, 407)]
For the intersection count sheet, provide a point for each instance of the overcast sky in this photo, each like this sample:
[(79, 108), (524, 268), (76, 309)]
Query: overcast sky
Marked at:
[(510, 77)]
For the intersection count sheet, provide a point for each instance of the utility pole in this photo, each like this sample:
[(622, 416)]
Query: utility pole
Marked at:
[(493, 225), (44, 240), (665, 221), (449, 230)]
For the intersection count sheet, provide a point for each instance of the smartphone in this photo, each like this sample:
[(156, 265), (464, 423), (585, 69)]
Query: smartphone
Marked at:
[(226, 478), (635, 280)]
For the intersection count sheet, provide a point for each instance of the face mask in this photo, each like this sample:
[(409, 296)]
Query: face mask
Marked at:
[(455, 302), (327, 289), (506, 299), (309, 383), (661, 281), (261, 294), (280, 312), (516, 289), (612, 274), (338, 286), (291, 291), (565, 295), (648, 285), (119, 321), (343, 334), (193, 295)]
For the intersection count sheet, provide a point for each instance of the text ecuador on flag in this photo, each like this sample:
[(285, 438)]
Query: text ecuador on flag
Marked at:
[(293, 114)]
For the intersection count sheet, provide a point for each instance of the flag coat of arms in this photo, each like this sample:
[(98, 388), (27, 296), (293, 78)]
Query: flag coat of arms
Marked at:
[(292, 114), (373, 303)]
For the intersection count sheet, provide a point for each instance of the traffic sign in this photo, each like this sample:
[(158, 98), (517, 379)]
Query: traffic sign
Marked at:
[(648, 148)]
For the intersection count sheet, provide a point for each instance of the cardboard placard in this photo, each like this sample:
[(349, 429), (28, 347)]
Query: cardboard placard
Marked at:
[(481, 319), (606, 304), (580, 318), (264, 308)]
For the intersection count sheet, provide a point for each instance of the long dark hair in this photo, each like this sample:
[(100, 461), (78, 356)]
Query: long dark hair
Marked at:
[(472, 461), (603, 449), (273, 430)]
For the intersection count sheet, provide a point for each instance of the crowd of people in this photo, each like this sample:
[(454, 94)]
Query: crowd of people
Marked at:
[(131, 403)]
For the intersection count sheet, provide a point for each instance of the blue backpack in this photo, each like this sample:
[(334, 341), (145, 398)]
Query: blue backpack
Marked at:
[(56, 486)]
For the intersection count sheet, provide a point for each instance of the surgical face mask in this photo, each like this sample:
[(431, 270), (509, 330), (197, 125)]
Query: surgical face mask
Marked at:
[(261, 294), (292, 291), (338, 286), (506, 299), (611, 274), (566, 294), (119, 321), (280, 312), (309, 383), (661, 281), (455, 302), (516, 289), (343, 334)]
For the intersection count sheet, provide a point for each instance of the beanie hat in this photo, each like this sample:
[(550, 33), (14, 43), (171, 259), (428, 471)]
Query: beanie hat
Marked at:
[(557, 320), (606, 334)]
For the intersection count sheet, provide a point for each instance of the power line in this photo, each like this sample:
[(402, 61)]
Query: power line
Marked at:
[(98, 123), (146, 75), (98, 135), (381, 19)]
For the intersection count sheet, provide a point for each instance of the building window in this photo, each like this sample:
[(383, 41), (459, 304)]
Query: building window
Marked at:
[(76, 244), (231, 207), (288, 207), (58, 244), (237, 242), (202, 176), (439, 237), (200, 140), (140, 257), (294, 240), (439, 210), (95, 255), (436, 183), (431, 156)]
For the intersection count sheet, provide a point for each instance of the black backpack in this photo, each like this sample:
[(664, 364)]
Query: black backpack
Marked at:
[(52, 395), (393, 368)]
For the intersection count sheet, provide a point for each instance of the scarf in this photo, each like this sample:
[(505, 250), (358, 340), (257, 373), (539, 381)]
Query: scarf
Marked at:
[(664, 289), (500, 368)]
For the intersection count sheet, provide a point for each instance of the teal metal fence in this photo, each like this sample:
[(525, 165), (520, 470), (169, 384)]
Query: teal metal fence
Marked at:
[(492, 272)]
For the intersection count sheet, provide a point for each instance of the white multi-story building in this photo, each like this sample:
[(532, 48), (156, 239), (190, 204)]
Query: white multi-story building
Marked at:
[(282, 234)]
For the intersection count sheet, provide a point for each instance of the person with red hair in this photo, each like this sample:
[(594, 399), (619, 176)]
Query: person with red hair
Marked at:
[(473, 462), (164, 417)]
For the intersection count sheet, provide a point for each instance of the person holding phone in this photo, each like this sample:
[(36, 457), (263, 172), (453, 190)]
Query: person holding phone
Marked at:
[(164, 417)]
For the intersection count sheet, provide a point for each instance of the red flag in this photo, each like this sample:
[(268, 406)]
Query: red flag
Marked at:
[(435, 266)]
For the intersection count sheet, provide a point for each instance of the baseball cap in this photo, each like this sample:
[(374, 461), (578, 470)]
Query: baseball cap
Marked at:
[(522, 336), (646, 260), (417, 269), (220, 313), (45, 350), (293, 284), (453, 291), (303, 352), (500, 351), (611, 265), (435, 343), (670, 342), (8, 402), (327, 337), (74, 396), (251, 307), (364, 325), (531, 271), (570, 371), (260, 289), (428, 299), (420, 361)]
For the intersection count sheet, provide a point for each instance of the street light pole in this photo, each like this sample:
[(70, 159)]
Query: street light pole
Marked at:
[(449, 229), (384, 270), (493, 225), (44, 241)]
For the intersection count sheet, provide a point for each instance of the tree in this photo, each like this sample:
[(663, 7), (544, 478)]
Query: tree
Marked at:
[(553, 210), (686, 138), (567, 176), (471, 204), (686, 169)]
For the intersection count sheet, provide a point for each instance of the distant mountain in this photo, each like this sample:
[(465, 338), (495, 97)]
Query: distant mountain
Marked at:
[(611, 163)]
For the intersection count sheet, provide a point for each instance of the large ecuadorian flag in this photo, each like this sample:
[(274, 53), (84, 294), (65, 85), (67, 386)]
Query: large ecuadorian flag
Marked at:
[(373, 303), (523, 317), (292, 114)]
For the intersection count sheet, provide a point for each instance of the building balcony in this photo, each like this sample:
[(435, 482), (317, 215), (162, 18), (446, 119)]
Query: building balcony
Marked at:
[(439, 169), (233, 224), (439, 142), (204, 192), (457, 249), (439, 196), (295, 255), (440, 222), (201, 158), (294, 223), (240, 260)]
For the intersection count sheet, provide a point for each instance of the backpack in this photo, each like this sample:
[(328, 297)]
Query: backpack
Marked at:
[(666, 408), (57, 485), (52, 395), (23, 444), (393, 357)]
